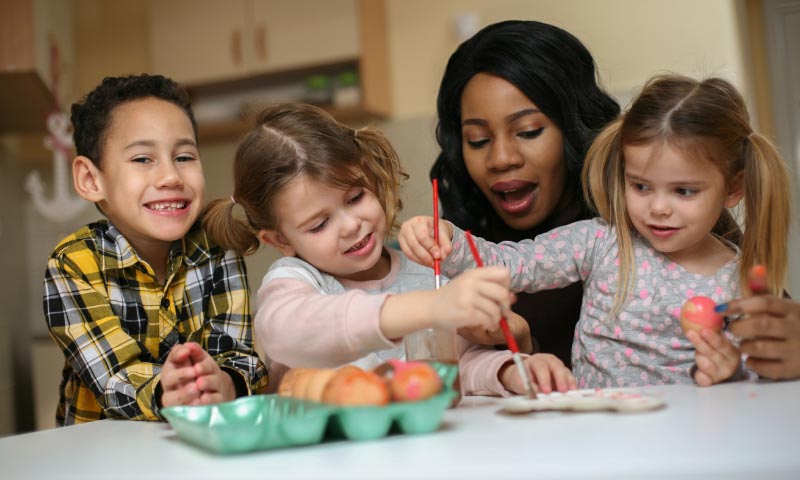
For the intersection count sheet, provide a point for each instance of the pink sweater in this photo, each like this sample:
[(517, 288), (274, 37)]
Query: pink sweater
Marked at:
[(306, 318)]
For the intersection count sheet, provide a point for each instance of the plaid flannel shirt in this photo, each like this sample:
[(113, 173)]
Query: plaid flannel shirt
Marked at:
[(116, 323)]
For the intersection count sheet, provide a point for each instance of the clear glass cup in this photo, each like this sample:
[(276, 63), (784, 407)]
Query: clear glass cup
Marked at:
[(434, 345)]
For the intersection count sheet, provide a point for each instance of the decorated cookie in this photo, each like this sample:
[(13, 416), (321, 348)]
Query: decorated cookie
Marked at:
[(583, 400)]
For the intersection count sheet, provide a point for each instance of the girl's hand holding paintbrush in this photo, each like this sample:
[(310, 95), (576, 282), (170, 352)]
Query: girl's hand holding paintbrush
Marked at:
[(416, 239), (769, 327), (519, 329), (546, 372)]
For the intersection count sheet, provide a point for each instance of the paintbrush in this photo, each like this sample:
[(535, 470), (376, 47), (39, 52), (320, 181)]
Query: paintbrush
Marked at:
[(437, 272), (510, 340)]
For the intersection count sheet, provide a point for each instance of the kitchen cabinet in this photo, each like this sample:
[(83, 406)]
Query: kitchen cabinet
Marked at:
[(234, 60), (201, 41)]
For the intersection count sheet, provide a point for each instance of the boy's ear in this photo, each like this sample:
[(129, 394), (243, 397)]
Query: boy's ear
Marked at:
[(276, 240), (735, 191), (88, 179)]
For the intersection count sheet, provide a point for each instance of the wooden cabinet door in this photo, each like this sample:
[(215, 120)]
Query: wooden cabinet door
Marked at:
[(296, 33), (195, 41)]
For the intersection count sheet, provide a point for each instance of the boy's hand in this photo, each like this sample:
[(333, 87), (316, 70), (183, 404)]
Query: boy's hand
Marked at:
[(518, 326), (417, 243), (717, 359), (215, 385), (476, 298), (547, 372), (190, 376), (178, 377), (770, 333)]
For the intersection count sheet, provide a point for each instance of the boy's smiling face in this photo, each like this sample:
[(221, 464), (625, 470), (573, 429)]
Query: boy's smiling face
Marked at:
[(150, 184)]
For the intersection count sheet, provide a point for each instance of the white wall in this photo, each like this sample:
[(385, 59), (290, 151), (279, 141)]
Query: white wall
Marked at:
[(630, 39)]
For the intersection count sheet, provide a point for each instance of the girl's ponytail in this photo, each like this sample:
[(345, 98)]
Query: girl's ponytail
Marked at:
[(381, 165), (603, 180), (226, 230), (767, 211)]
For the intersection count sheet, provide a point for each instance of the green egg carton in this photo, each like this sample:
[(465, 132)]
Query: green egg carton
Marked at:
[(264, 422)]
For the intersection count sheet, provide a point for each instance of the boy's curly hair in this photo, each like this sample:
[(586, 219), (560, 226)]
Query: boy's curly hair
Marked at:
[(91, 116)]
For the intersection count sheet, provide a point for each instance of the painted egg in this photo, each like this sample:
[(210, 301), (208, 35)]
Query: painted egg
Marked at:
[(411, 381), (698, 313)]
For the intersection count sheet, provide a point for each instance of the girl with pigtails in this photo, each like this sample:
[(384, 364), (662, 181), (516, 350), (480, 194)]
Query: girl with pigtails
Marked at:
[(663, 179), (327, 197)]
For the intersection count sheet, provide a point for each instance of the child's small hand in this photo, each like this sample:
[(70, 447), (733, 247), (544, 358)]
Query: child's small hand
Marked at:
[(717, 359), (417, 243), (547, 372), (178, 378), (518, 326), (476, 298), (214, 384)]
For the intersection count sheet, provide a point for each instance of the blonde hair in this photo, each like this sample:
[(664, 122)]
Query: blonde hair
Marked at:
[(708, 121), (290, 140)]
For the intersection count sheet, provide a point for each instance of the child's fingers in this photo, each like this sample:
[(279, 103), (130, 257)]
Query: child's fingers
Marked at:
[(700, 345), (702, 379), (206, 367), (179, 355), (196, 352), (718, 342), (540, 375), (412, 247), (218, 383), (174, 378), (181, 396), (564, 380)]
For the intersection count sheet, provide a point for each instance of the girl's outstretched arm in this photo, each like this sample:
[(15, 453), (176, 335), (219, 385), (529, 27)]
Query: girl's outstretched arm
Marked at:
[(296, 325), (416, 240), (478, 298)]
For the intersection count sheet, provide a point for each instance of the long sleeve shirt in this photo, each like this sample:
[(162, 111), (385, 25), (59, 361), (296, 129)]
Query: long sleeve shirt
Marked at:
[(307, 318), (116, 323), (642, 345)]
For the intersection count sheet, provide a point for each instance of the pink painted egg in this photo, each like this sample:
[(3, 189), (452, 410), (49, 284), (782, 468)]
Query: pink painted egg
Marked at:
[(698, 313)]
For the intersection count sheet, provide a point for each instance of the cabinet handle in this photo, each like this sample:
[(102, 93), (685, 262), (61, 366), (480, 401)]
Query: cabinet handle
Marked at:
[(236, 48), (261, 42)]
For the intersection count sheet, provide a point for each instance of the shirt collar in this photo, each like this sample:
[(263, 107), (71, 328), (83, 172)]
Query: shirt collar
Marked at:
[(195, 247)]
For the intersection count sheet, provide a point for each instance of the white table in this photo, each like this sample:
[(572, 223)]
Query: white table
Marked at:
[(740, 430)]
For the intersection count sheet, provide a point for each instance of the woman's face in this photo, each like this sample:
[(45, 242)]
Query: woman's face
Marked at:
[(513, 152)]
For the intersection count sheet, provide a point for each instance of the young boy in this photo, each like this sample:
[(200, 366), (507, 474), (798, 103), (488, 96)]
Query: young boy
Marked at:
[(131, 299)]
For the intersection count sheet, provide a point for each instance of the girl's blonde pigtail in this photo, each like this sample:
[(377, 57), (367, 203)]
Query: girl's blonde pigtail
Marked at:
[(381, 164), (767, 212), (603, 179)]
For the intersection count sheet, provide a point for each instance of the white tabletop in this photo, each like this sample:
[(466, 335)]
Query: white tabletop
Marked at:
[(739, 430)]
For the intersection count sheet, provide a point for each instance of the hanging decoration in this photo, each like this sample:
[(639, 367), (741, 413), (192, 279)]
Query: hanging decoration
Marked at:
[(61, 207)]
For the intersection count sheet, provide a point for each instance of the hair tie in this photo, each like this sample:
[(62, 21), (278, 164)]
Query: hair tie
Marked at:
[(355, 134), (233, 200)]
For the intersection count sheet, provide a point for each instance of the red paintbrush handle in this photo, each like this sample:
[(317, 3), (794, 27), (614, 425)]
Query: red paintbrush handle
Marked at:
[(510, 340)]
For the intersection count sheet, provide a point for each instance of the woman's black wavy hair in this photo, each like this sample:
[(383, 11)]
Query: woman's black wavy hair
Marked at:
[(547, 64)]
